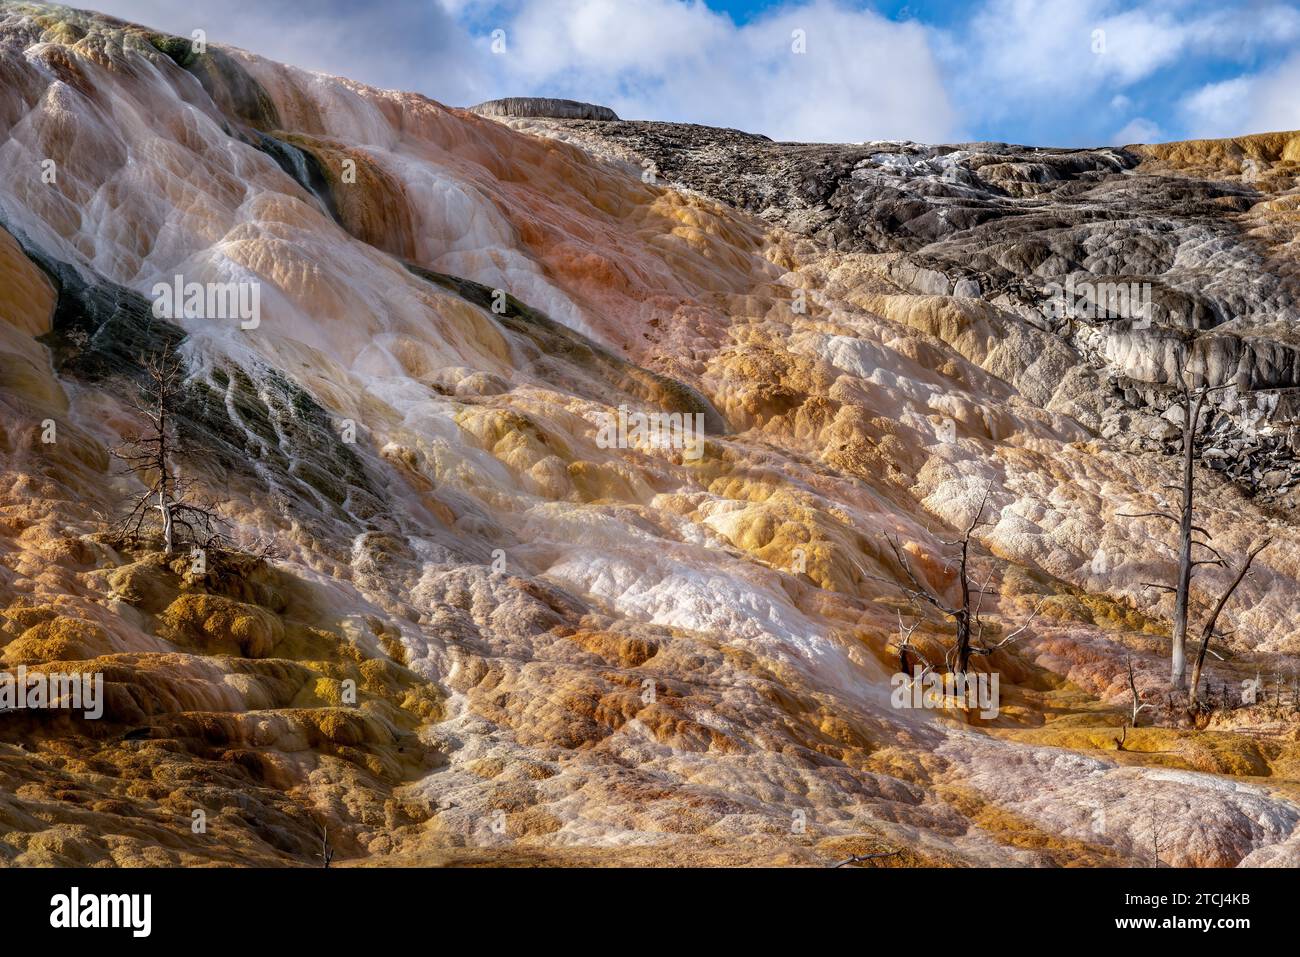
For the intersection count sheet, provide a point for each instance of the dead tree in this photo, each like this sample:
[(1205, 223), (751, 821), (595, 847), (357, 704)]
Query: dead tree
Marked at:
[(1193, 405), (1208, 631), (966, 612), (326, 851), (906, 649), (859, 858), (1137, 706), (152, 456), (1155, 839)]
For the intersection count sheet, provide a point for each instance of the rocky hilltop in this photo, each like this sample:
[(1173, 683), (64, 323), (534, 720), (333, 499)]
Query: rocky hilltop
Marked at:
[(458, 611), (534, 106)]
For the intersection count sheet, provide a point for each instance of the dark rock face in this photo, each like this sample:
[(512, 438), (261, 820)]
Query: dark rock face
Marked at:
[(100, 329), (537, 106), (257, 422), (304, 167), (1137, 266)]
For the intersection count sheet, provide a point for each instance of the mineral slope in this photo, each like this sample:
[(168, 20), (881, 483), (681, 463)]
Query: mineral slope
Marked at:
[(453, 625), (1202, 231)]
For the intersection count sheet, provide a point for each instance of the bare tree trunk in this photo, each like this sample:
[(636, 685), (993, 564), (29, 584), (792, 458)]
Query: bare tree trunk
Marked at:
[(963, 638), (1137, 706), (326, 851), (963, 615), (1208, 632), (165, 508), (1195, 684), (1178, 655), (164, 495), (1155, 840)]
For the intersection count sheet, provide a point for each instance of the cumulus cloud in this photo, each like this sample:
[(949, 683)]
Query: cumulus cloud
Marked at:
[(1025, 48), (1055, 72), (398, 44), (1254, 103), (862, 76), (1058, 56), (1138, 130), (1218, 108), (806, 71)]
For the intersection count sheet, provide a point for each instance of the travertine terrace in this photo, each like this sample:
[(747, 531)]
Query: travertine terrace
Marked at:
[(568, 653)]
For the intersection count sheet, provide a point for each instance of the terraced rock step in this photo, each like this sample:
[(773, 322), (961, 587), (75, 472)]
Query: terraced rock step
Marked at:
[(455, 617), (534, 106), (1045, 236)]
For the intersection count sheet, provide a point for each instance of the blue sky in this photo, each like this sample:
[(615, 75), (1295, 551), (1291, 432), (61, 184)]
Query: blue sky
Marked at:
[(1044, 72)]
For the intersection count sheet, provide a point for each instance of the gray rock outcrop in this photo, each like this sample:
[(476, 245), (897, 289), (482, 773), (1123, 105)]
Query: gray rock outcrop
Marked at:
[(534, 107)]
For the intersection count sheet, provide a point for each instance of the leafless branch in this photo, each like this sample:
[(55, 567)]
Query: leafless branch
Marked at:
[(1208, 631), (858, 858)]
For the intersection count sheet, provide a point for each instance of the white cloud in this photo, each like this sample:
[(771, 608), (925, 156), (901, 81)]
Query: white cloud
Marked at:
[(1273, 100), (400, 44), (1138, 130), (1064, 69), (862, 76), (1052, 53), (610, 38), (1218, 109), (1257, 103)]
